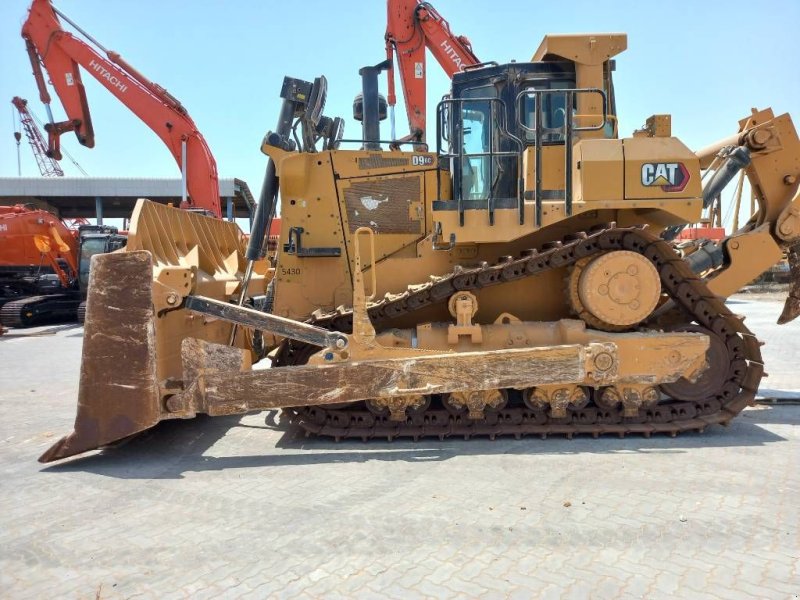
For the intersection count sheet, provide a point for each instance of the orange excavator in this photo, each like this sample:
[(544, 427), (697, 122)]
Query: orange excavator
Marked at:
[(62, 54), (411, 27), (33, 242), (44, 265)]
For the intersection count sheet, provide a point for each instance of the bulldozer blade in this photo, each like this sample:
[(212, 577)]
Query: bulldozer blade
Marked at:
[(791, 308), (118, 393)]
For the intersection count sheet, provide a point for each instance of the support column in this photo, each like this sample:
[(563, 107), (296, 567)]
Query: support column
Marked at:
[(230, 209), (98, 209)]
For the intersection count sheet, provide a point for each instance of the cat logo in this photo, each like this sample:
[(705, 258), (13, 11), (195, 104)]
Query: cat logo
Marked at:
[(670, 177)]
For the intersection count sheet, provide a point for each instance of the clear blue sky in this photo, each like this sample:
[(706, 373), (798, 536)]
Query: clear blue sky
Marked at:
[(706, 63)]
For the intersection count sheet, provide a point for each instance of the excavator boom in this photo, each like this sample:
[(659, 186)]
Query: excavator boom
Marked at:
[(411, 27), (63, 55)]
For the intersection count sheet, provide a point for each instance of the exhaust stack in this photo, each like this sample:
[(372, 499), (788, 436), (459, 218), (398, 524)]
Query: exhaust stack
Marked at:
[(370, 107)]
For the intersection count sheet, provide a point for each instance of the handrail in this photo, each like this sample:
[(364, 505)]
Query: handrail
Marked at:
[(569, 128), (497, 115)]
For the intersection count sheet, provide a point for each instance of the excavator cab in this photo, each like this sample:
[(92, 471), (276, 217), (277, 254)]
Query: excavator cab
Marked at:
[(95, 239)]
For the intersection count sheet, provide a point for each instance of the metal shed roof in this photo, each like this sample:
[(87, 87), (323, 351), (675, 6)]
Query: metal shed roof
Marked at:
[(72, 197)]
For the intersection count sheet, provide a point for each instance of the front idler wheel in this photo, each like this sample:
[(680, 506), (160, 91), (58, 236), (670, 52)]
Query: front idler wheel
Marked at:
[(713, 379)]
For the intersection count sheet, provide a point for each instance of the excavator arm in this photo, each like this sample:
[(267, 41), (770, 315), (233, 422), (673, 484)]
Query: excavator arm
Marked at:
[(411, 27), (63, 54), (53, 247)]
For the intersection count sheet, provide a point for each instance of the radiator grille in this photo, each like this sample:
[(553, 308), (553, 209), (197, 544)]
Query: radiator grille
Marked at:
[(384, 205)]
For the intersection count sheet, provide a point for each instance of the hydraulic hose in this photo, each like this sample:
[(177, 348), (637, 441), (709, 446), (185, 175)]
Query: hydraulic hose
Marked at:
[(262, 220), (737, 160)]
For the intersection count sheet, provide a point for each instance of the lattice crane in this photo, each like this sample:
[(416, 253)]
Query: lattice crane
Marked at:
[(48, 166)]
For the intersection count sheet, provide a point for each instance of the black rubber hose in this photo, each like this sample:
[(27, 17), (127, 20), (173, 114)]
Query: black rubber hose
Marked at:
[(708, 256), (737, 160)]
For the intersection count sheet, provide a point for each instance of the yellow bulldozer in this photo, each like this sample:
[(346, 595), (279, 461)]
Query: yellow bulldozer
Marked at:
[(518, 280)]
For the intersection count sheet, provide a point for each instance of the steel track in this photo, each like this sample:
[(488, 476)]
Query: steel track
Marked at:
[(691, 298), (12, 314)]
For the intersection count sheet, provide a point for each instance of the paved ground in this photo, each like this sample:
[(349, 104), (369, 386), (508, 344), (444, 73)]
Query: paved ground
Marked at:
[(234, 507)]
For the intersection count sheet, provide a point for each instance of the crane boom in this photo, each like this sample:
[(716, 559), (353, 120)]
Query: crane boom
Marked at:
[(48, 166), (62, 53), (412, 26)]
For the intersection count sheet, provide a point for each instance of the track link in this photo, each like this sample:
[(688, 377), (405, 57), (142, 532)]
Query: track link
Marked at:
[(691, 297), (12, 314), (34, 310)]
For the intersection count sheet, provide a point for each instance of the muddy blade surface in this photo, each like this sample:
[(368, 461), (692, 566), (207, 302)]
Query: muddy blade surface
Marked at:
[(118, 395)]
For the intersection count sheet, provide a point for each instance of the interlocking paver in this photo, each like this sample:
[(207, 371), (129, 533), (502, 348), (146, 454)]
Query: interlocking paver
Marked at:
[(235, 507)]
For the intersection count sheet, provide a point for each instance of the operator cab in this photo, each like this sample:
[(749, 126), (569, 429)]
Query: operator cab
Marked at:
[(491, 118), (95, 239)]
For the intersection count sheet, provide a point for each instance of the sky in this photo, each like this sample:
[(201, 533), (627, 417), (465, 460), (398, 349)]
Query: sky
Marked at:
[(706, 63)]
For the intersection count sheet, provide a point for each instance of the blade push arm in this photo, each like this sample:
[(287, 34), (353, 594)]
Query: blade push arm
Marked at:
[(411, 27), (62, 53)]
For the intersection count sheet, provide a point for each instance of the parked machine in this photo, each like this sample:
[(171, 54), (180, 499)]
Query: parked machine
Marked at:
[(517, 281), (44, 265), (94, 239), (37, 254)]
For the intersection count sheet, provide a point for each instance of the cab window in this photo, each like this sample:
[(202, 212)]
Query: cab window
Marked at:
[(89, 248), (553, 111), (478, 132)]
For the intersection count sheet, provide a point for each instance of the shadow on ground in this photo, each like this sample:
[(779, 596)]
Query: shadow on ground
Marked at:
[(15, 333), (176, 447), (787, 395)]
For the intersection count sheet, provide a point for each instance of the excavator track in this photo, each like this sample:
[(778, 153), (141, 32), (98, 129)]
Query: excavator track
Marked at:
[(35, 310), (671, 415), (81, 314)]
